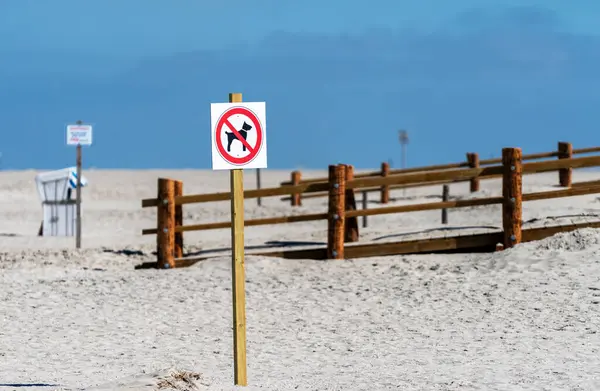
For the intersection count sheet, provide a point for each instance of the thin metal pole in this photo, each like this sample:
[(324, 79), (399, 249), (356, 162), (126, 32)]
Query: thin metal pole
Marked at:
[(364, 206), (403, 164), (258, 200), (78, 232), (445, 198)]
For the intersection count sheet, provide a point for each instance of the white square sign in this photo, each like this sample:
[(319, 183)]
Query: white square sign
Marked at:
[(79, 134), (238, 135)]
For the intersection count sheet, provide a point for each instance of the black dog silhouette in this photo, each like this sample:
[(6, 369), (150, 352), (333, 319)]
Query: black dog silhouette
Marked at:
[(243, 132)]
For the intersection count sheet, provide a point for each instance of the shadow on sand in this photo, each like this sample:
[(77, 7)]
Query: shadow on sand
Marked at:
[(436, 230), (268, 245), (214, 252), (23, 385)]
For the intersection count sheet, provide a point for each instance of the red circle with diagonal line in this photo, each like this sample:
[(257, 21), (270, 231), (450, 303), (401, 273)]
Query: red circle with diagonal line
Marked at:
[(224, 122)]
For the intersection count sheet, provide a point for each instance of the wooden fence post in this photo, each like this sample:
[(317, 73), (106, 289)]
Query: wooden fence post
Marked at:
[(165, 214), (385, 189), (351, 224), (178, 221), (335, 220), (445, 197), (365, 195), (512, 183), (296, 177), (473, 161), (565, 151)]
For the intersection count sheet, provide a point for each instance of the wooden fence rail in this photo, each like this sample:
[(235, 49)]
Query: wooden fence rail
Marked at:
[(424, 178), (582, 189), (437, 167), (342, 213), (565, 150)]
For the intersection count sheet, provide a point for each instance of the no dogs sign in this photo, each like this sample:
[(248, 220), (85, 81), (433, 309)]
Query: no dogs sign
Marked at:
[(238, 135)]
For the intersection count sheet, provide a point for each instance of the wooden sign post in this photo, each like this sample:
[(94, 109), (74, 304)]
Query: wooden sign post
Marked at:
[(237, 269), (78, 135), (238, 143)]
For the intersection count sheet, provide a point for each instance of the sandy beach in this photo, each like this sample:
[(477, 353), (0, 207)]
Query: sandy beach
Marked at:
[(523, 319)]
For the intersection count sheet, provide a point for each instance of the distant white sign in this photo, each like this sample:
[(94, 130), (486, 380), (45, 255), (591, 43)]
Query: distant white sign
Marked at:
[(238, 133), (79, 134)]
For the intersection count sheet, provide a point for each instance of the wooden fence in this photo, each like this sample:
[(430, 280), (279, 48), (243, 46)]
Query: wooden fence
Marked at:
[(342, 214), (564, 151)]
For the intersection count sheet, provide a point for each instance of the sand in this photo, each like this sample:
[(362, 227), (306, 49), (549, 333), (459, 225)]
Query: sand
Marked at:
[(524, 319)]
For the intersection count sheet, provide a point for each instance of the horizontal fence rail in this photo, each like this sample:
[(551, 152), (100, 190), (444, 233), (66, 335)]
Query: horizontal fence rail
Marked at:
[(425, 178), (267, 192), (543, 195), (342, 185), (565, 150), (247, 223), (408, 179), (436, 167)]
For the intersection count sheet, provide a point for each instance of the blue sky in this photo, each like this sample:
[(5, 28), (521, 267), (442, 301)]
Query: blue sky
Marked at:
[(339, 79), (150, 27)]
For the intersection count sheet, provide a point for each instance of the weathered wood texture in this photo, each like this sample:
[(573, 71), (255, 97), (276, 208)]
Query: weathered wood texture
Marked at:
[(422, 178), (512, 209), (336, 212), (237, 267), (477, 242), (581, 151), (565, 151), (464, 174), (254, 193), (532, 234), (178, 252), (465, 243), (351, 225), (457, 176), (531, 156), (473, 160), (578, 189), (296, 178), (585, 183), (165, 215), (392, 187), (592, 188), (425, 206), (423, 246), (431, 177), (391, 172), (436, 167), (385, 188), (247, 223), (553, 165)]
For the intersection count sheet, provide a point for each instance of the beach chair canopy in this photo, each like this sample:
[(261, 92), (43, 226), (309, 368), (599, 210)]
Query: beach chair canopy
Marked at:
[(55, 185)]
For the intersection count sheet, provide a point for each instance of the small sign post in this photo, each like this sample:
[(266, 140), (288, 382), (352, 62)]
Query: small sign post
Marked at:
[(403, 138), (78, 135), (238, 143)]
